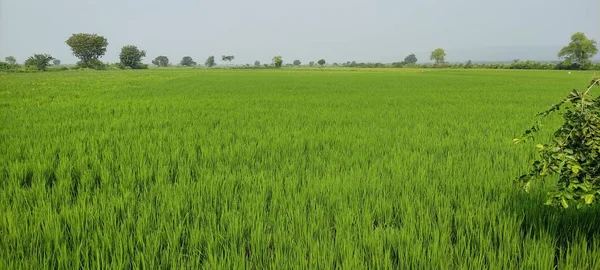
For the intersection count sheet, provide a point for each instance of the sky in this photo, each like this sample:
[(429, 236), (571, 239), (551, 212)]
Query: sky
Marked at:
[(308, 30)]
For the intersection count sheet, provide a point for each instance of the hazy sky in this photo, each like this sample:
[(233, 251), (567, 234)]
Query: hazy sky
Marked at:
[(337, 30)]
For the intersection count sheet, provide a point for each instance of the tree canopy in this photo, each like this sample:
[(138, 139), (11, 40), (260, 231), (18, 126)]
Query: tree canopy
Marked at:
[(438, 55), (40, 61), (321, 62), (11, 60), (411, 59), (297, 62), (277, 61), (87, 47), (210, 61), (257, 63), (187, 61), (579, 52), (161, 61), (131, 56)]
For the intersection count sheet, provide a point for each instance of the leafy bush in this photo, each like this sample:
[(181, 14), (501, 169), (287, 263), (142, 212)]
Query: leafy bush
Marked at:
[(574, 154)]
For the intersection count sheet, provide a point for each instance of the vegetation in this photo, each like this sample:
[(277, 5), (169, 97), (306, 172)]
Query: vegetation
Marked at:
[(439, 56), (579, 52), (131, 57), (411, 59), (187, 61), (161, 61), (311, 169), (39, 61), (56, 62), (257, 63), (574, 154), (297, 63), (210, 61), (277, 61), (227, 58), (11, 60), (321, 62), (89, 48)]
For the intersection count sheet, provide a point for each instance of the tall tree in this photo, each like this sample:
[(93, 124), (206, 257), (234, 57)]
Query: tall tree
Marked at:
[(56, 62), (321, 62), (257, 63), (11, 60), (131, 56), (411, 59), (41, 61), (277, 61), (210, 61), (161, 61), (579, 51), (187, 61), (87, 47), (311, 63), (297, 62), (439, 56), (228, 58)]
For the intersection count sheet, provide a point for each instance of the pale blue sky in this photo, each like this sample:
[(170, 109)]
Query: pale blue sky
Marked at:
[(337, 30)]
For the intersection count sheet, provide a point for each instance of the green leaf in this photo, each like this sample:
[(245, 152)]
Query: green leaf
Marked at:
[(588, 198)]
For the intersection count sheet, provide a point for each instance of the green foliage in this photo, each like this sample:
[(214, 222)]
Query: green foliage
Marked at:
[(227, 58), (40, 61), (187, 61), (469, 64), (264, 169), (257, 63), (411, 59), (92, 64), (131, 56), (311, 63), (210, 61), (277, 61), (321, 62), (574, 153), (439, 56), (88, 48), (161, 61), (11, 60), (579, 52), (56, 62), (297, 62)]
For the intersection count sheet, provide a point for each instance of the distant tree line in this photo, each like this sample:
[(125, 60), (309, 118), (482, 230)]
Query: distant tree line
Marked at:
[(90, 48)]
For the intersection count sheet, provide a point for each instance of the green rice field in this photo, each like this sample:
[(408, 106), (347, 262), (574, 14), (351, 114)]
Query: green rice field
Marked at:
[(282, 169)]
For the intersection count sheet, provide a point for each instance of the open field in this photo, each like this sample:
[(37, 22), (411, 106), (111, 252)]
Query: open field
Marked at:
[(185, 168)]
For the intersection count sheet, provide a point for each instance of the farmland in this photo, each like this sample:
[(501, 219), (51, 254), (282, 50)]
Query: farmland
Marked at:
[(289, 168)]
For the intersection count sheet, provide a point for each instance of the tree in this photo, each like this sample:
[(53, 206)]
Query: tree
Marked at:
[(41, 61), (438, 56), (311, 63), (187, 61), (277, 61), (469, 64), (574, 154), (210, 61), (11, 60), (161, 61), (297, 62), (579, 51), (228, 58), (321, 62), (56, 62), (87, 47), (131, 56), (411, 59), (256, 63)]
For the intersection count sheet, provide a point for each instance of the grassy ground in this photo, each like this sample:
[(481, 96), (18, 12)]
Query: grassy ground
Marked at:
[(320, 168)]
